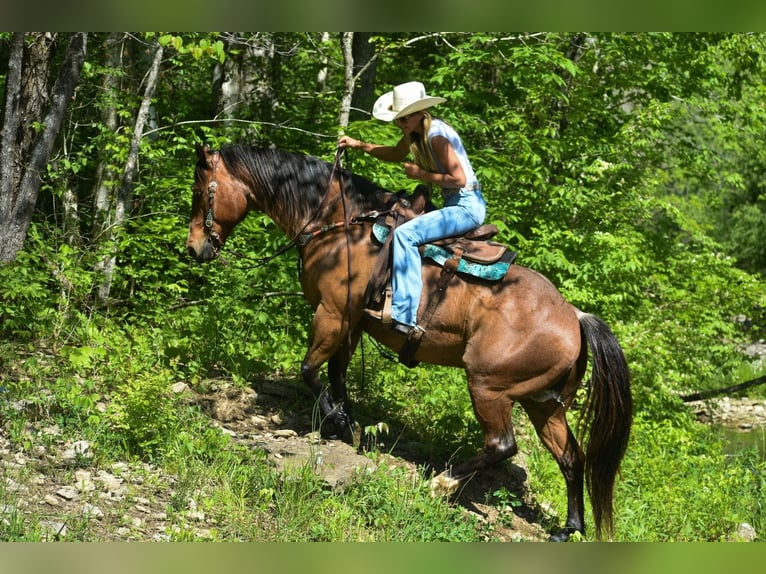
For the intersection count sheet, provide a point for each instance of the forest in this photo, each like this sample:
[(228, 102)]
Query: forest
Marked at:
[(628, 168)]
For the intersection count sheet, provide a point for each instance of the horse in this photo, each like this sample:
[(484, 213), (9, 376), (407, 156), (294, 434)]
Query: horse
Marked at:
[(517, 339)]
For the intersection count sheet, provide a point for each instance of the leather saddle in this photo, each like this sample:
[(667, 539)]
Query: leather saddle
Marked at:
[(473, 253)]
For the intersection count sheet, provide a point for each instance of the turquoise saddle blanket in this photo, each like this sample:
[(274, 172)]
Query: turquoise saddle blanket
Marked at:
[(488, 271)]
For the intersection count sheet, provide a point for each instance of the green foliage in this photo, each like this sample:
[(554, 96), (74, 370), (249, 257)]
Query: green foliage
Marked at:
[(676, 484), (673, 493), (142, 414), (625, 167), (430, 406)]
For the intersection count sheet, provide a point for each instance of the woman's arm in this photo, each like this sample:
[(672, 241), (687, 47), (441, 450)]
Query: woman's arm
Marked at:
[(445, 154), (383, 152)]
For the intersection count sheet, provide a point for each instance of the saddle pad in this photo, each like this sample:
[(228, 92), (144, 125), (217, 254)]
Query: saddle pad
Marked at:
[(490, 272)]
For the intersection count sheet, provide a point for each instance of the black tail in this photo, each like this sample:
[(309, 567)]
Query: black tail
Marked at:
[(609, 409)]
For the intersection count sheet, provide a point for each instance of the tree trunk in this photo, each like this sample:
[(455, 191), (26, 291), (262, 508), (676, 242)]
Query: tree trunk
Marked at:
[(244, 82), (346, 41), (25, 150), (702, 395), (125, 190), (364, 76), (323, 71), (358, 77), (105, 174)]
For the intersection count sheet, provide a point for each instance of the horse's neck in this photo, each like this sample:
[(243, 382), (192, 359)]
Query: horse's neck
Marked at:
[(293, 226)]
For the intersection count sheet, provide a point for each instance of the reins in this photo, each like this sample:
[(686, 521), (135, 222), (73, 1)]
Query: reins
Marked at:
[(215, 239), (347, 229)]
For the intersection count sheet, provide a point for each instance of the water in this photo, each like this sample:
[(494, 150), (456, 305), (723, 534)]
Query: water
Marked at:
[(738, 440)]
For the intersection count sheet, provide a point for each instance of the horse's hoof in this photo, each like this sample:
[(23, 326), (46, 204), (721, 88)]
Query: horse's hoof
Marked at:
[(563, 535), (444, 485)]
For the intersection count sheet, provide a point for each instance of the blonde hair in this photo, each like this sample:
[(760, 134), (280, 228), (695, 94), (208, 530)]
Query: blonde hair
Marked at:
[(421, 147)]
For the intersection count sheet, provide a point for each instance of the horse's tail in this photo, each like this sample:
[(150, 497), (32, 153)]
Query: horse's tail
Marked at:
[(609, 409)]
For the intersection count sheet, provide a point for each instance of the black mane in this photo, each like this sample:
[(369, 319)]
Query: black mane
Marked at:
[(294, 184)]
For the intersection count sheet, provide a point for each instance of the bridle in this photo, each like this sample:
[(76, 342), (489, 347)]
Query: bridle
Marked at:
[(213, 237)]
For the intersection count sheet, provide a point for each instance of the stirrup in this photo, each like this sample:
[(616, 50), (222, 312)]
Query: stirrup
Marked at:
[(406, 329), (374, 313)]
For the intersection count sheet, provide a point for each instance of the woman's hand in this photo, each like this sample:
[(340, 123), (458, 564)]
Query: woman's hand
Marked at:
[(414, 171), (384, 152), (348, 141)]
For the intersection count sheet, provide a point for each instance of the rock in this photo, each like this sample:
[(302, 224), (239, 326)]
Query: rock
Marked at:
[(111, 483), (83, 481), (745, 533), (54, 528), (78, 448), (259, 422), (180, 387), (197, 515), (92, 511), (68, 493)]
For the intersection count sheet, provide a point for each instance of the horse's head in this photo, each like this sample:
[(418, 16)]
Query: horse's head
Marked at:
[(219, 203)]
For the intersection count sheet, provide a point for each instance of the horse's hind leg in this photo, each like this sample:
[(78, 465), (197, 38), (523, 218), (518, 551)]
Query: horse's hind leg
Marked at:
[(549, 420), (493, 411)]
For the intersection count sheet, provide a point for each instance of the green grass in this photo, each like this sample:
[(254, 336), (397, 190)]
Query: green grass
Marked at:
[(677, 484)]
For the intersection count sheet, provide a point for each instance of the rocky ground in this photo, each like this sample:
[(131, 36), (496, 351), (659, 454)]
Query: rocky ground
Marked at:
[(289, 440), (736, 413), (53, 477), (55, 480)]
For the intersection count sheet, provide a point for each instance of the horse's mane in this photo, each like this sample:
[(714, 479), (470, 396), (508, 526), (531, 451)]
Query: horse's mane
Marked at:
[(293, 184)]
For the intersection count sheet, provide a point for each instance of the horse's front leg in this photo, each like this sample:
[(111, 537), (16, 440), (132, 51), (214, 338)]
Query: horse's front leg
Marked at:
[(337, 368), (327, 345)]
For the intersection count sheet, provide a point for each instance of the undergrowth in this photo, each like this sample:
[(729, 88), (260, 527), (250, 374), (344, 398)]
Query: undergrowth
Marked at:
[(676, 483)]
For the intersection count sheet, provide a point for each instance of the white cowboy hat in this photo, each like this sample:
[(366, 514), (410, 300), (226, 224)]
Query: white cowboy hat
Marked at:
[(403, 100)]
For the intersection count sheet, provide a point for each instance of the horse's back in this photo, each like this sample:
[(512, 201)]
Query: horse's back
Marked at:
[(519, 321)]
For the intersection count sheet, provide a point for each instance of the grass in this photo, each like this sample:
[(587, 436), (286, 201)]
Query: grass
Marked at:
[(677, 484), (205, 486)]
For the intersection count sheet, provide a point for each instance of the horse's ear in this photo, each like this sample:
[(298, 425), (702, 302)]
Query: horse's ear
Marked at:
[(201, 151)]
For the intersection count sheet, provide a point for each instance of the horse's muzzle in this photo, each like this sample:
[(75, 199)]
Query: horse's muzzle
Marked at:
[(202, 254)]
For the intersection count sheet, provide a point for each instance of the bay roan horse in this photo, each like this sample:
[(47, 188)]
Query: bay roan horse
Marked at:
[(517, 339)]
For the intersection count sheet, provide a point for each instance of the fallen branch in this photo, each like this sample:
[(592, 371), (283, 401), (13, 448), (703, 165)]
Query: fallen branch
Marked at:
[(725, 391)]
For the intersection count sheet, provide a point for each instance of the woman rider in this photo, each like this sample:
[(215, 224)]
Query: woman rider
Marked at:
[(440, 159)]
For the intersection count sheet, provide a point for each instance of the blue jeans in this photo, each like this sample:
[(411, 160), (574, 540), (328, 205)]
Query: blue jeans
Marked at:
[(462, 212)]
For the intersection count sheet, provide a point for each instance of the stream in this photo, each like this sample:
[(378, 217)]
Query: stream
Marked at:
[(740, 421), (738, 439)]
